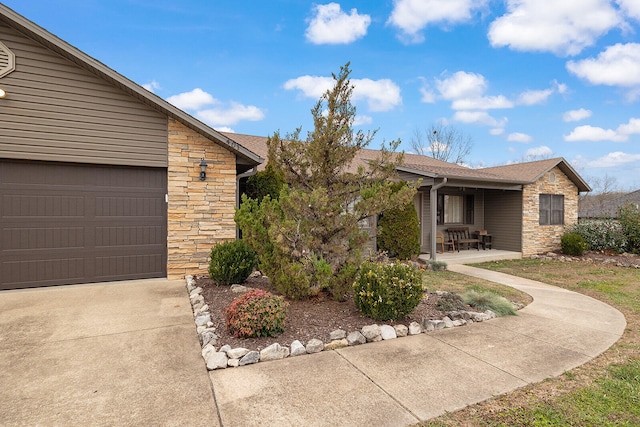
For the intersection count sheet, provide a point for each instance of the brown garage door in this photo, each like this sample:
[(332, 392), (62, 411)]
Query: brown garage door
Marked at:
[(70, 223)]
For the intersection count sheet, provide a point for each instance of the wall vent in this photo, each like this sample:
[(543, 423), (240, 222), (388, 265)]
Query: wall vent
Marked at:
[(7, 60)]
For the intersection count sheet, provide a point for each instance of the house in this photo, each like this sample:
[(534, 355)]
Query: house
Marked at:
[(100, 178), (608, 208), (525, 206)]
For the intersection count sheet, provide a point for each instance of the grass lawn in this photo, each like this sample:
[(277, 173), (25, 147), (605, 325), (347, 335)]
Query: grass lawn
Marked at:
[(603, 392)]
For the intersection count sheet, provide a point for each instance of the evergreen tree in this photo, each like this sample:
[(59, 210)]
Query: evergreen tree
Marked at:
[(308, 239)]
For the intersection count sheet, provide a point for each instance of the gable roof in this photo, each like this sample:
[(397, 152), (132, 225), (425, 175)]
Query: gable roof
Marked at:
[(35, 32), (532, 171), (519, 173)]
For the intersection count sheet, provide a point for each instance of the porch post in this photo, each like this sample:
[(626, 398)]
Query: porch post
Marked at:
[(433, 205)]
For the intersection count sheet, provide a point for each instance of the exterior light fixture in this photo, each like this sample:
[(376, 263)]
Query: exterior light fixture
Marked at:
[(203, 169), (2, 93)]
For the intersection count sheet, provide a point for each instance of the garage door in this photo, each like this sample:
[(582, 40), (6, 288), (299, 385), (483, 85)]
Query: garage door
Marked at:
[(70, 223)]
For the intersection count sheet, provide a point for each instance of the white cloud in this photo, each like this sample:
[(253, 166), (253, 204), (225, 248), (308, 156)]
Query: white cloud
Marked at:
[(412, 16), (224, 129), (576, 115), (533, 97), (482, 103), (380, 95), (613, 159), (428, 96), (630, 128), (310, 86), (231, 115), (538, 152), (617, 65), (593, 133), (223, 115), (462, 85), (631, 8), (193, 100), (361, 120), (519, 137), (496, 131), (480, 117), (563, 27), (152, 86), (331, 25)]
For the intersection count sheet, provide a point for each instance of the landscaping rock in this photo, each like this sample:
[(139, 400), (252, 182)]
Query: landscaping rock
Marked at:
[(225, 348), (314, 346), (335, 344), (448, 323), (208, 349), (491, 314), (249, 358), (274, 352), (233, 363), (338, 334), (401, 330), (200, 310), (387, 332), (459, 322), (208, 336), (355, 338), (297, 349), (372, 333), (415, 328), (217, 360), (480, 317), (203, 318), (239, 289), (237, 353), (435, 325)]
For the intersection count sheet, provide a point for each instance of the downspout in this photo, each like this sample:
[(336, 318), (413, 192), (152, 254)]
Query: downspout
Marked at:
[(238, 178), (433, 205)]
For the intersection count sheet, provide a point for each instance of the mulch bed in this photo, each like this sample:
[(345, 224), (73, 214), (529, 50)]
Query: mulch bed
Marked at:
[(312, 318)]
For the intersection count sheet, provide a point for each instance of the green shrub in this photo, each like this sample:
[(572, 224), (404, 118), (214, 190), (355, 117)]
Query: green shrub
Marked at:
[(268, 182), (572, 244), (604, 234), (231, 262), (629, 217), (398, 232), (449, 301), (489, 301), (256, 314), (387, 291), (436, 265)]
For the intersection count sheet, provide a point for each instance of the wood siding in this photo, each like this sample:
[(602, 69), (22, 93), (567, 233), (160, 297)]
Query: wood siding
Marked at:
[(54, 110), (503, 218)]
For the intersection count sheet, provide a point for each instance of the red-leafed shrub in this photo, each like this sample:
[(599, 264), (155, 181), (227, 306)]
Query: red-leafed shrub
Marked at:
[(256, 314)]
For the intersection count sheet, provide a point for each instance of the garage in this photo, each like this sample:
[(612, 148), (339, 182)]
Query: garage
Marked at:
[(64, 223)]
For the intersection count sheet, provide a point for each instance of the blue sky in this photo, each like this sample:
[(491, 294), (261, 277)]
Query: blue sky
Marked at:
[(524, 78)]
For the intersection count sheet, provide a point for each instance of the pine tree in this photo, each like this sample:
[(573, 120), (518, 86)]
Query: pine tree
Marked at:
[(314, 241)]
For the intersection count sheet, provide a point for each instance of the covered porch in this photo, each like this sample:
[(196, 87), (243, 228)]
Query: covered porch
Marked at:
[(473, 256)]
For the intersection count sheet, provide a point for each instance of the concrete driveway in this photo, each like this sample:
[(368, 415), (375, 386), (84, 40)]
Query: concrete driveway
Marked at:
[(116, 354), (126, 353)]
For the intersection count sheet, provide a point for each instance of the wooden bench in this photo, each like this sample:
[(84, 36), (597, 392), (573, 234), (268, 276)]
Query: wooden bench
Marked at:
[(462, 237)]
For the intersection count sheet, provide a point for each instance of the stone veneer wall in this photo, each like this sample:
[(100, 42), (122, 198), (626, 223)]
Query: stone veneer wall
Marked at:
[(538, 238), (200, 213)]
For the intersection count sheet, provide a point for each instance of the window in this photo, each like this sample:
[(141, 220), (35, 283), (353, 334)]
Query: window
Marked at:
[(551, 209), (454, 209)]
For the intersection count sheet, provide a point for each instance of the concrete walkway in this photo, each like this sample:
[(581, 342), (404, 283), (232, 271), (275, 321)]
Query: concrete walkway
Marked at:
[(408, 380), (126, 353), (114, 354)]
